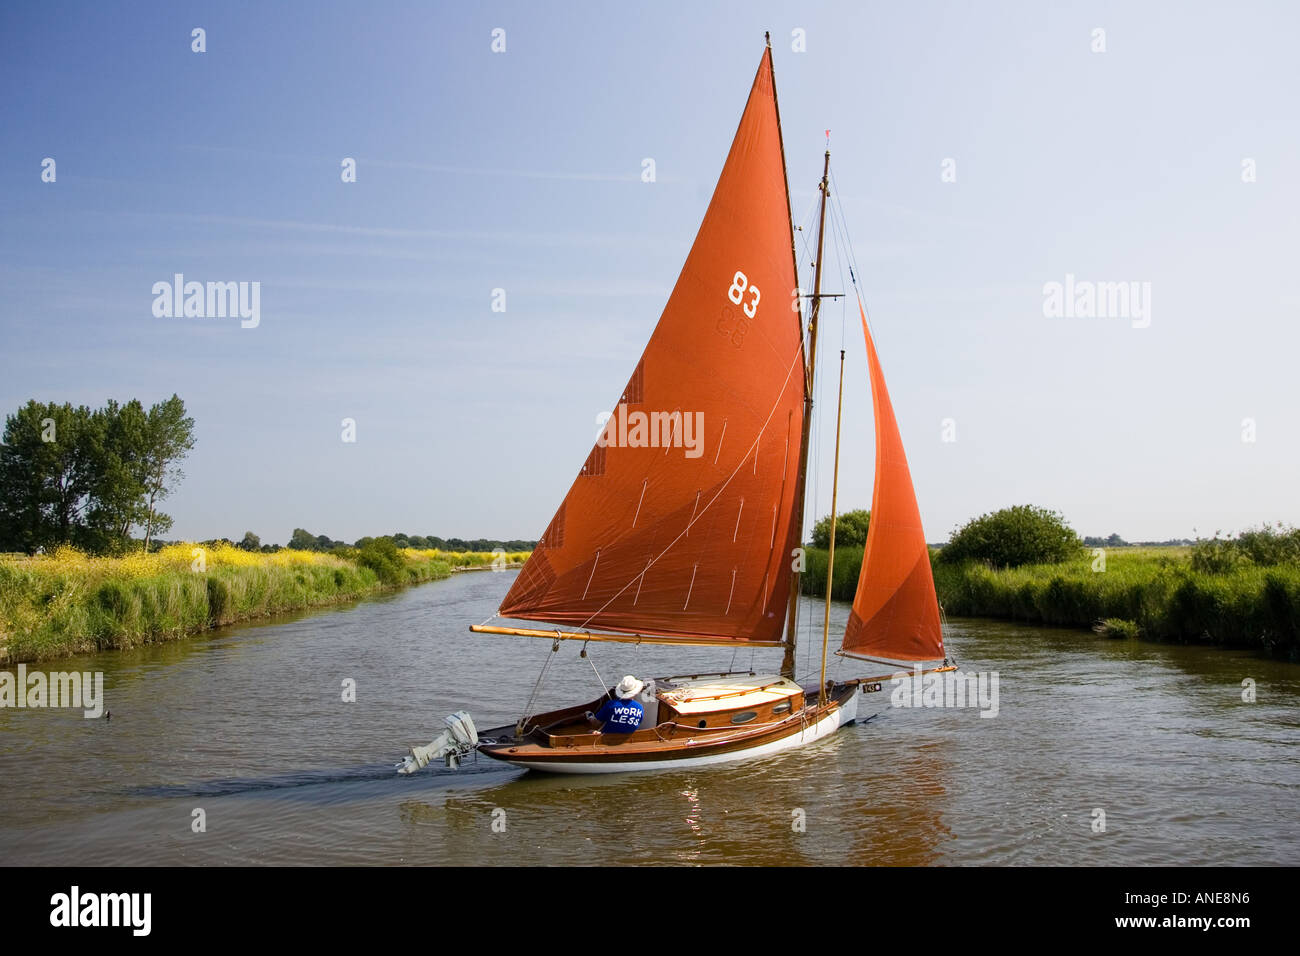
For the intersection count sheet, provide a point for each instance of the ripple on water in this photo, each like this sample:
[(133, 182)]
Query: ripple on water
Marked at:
[(249, 726)]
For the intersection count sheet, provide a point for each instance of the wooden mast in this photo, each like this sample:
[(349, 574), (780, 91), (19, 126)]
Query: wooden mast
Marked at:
[(787, 658), (787, 663), (830, 560)]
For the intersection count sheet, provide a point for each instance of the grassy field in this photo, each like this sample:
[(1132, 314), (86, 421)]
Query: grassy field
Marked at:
[(1153, 593), (67, 602)]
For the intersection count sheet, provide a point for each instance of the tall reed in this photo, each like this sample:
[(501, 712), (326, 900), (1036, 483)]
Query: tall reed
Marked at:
[(1158, 593), (69, 602)]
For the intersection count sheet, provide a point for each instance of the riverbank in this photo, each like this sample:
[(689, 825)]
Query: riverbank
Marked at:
[(1149, 592), (69, 603)]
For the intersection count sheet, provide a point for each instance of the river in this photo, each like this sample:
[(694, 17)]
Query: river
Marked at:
[(246, 731)]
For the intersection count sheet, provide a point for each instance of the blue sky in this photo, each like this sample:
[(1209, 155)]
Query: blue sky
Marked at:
[(521, 170)]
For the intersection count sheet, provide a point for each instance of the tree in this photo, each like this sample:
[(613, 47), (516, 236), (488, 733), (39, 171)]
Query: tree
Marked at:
[(250, 542), (302, 540), (169, 437), (118, 463), (23, 464), (850, 530), (382, 557), (70, 475), (1011, 537), (47, 475)]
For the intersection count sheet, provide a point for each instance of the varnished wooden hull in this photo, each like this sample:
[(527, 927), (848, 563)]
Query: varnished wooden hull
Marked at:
[(618, 753)]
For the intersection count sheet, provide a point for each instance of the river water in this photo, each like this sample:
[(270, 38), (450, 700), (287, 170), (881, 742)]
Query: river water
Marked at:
[(246, 729)]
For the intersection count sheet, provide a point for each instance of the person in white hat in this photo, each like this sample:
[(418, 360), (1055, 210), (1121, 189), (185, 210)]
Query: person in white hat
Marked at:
[(622, 713)]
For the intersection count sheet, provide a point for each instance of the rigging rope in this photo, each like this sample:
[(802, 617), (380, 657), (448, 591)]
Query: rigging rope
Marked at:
[(555, 647), (802, 232), (854, 269), (839, 265), (592, 661)]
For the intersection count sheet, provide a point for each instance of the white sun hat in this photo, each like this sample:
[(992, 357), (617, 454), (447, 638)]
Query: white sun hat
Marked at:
[(629, 686)]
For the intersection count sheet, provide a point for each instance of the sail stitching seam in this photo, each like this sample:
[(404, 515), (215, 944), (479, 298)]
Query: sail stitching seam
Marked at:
[(718, 494)]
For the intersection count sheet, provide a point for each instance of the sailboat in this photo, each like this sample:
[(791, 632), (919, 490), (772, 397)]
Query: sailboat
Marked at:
[(665, 540)]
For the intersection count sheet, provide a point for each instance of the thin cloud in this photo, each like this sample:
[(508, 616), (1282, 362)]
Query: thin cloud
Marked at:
[(476, 171), (390, 232)]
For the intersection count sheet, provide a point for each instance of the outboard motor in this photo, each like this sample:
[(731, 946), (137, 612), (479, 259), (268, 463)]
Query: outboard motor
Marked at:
[(457, 741)]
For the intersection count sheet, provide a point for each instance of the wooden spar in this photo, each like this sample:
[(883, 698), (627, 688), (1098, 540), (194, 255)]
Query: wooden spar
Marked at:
[(899, 673), (796, 527), (558, 635), (830, 560), (787, 663)]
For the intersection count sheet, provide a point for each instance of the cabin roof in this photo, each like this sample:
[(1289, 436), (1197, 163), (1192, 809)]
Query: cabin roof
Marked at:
[(728, 693)]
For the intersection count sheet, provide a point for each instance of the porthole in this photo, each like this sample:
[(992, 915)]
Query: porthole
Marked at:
[(704, 723), (782, 708), (744, 717)]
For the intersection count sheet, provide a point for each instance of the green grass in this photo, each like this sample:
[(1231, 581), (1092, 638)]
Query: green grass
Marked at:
[(1151, 591), (1118, 628), (48, 610)]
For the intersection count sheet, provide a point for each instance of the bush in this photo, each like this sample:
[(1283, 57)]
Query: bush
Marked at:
[(1268, 547), (1117, 627), (1215, 556), (1013, 536), (382, 557), (1263, 547), (218, 601), (850, 530)]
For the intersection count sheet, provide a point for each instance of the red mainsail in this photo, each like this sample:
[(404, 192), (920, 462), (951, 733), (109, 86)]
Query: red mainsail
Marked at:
[(895, 613), (681, 521)]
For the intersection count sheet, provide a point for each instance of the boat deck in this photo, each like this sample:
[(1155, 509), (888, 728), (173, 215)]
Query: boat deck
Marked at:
[(695, 715)]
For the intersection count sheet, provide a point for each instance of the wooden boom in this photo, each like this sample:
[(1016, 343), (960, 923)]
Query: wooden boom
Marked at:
[(558, 635)]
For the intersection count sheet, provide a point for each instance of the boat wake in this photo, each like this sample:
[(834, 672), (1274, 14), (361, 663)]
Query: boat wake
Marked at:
[(289, 782)]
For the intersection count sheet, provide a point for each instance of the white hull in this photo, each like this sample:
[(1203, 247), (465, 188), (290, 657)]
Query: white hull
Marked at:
[(845, 713)]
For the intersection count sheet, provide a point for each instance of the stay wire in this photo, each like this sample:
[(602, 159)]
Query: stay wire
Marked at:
[(854, 269), (592, 661)]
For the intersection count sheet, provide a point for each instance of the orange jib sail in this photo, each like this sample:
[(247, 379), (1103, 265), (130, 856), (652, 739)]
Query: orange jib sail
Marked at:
[(895, 613), (680, 522)]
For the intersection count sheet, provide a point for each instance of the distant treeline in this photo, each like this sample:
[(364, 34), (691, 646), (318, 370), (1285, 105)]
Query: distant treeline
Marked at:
[(304, 540), (1115, 541)]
